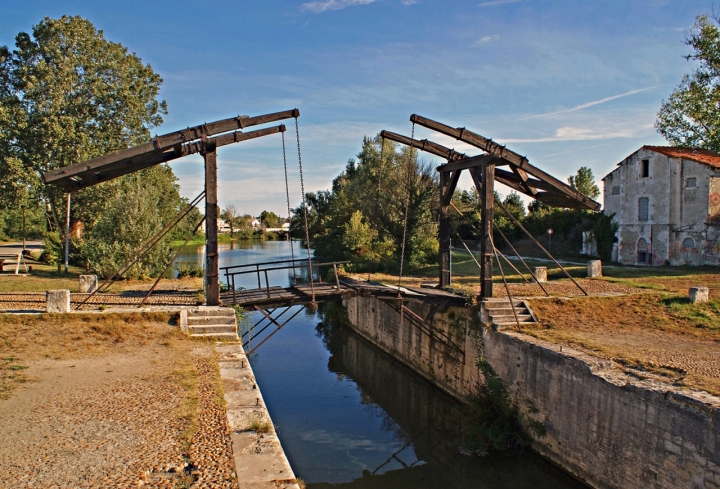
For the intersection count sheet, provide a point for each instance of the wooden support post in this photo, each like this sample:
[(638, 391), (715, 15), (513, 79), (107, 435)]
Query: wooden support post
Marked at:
[(444, 231), (212, 286), (487, 196)]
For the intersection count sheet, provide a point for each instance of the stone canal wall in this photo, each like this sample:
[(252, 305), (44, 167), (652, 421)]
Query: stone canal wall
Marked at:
[(604, 426)]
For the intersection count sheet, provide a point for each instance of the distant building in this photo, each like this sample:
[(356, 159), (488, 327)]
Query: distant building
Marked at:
[(255, 223), (667, 205)]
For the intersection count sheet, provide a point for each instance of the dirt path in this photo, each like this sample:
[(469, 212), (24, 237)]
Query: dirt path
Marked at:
[(104, 401)]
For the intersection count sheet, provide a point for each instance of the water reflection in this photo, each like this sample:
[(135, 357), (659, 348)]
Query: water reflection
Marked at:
[(427, 420)]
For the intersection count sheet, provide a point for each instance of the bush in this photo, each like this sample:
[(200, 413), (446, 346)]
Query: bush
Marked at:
[(189, 270)]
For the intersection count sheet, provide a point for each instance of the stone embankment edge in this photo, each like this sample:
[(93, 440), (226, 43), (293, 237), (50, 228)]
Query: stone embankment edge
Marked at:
[(260, 461), (605, 425)]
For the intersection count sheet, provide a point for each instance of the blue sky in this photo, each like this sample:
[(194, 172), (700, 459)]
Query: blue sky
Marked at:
[(567, 83)]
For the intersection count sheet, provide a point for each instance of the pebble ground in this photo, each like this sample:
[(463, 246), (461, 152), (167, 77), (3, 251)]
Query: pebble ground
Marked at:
[(123, 434)]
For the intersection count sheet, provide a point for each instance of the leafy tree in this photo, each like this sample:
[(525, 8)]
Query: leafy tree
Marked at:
[(269, 218), (230, 216), (66, 95), (604, 231), (690, 115), (584, 182), (358, 233)]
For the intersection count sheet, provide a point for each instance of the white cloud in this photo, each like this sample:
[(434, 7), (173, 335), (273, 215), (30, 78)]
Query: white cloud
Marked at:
[(589, 104), (408, 2), (486, 39), (570, 133), (495, 3), (321, 6)]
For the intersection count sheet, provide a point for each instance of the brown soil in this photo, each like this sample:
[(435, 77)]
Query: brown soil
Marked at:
[(108, 400), (654, 335)]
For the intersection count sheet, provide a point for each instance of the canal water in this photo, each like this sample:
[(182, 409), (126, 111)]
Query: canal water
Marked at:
[(350, 416)]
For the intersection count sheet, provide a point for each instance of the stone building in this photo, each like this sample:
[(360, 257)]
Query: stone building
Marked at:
[(667, 204)]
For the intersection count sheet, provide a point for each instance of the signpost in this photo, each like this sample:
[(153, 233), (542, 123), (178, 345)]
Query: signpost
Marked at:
[(550, 232)]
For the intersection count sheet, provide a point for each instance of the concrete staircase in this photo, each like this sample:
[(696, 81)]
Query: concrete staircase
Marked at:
[(499, 313), (209, 322)]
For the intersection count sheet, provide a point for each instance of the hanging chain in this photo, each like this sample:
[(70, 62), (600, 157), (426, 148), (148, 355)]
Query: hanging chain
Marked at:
[(287, 193), (313, 304), (407, 211)]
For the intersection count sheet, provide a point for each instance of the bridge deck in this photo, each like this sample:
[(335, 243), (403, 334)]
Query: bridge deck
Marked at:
[(301, 294)]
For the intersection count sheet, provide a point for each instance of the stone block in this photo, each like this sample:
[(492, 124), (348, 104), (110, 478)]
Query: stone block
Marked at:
[(698, 294), (540, 274), (594, 268), (88, 284), (57, 300)]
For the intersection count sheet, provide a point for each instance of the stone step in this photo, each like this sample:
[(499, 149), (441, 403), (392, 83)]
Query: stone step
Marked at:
[(219, 311), (230, 336), (523, 318), (211, 329), (505, 311), (202, 320), (502, 304)]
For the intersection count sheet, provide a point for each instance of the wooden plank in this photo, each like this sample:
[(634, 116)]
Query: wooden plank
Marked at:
[(212, 286), (522, 175), (167, 141), (491, 147), (424, 145), (471, 162), (487, 174)]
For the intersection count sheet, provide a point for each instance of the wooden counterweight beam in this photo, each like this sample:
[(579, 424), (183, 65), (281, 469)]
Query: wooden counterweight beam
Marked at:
[(160, 144), (513, 158), (424, 145)]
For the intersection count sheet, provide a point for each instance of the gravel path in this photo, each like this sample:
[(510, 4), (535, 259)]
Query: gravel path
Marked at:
[(565, 288), (35, 301), (113, 421)]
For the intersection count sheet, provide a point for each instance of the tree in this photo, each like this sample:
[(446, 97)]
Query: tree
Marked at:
[(230, 216), (690, 116), (584, 182), (269, 218), (67, 95)]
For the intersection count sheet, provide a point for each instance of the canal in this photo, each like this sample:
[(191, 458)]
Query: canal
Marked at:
[(350, 416)]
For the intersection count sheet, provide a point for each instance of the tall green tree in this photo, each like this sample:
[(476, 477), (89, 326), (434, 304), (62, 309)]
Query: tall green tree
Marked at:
[(67, 94), (690, 116), (584, 182)]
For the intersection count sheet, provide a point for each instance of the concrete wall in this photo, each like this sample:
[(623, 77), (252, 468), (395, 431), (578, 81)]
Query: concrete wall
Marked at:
[(677, 211), (604, 426)]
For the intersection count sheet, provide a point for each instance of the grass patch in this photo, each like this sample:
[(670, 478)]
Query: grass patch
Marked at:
[(60, 336), (11, 376), (703, 315), (186, 376), (260, 427)]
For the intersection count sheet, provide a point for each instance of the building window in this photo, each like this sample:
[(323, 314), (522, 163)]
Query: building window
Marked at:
[(691, 182), (643, 252), (644, 168), (643, 208), (616, 190)]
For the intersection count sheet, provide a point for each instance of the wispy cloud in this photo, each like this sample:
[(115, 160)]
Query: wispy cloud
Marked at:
[(487, 39), (320, 6), (495, 3), (589, 104), (569, 133), (408, 2)]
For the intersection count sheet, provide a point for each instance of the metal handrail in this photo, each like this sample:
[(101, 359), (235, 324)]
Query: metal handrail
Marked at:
[(281, 261)]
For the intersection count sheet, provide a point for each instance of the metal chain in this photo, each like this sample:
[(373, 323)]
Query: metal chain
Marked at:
[(287, 193), (313, 304), (407, 210)]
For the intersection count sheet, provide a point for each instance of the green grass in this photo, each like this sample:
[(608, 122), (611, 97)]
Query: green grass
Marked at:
[(704, 315)]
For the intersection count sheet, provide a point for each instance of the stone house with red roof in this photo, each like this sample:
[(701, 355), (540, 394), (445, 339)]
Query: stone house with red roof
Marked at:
[(667, 205)]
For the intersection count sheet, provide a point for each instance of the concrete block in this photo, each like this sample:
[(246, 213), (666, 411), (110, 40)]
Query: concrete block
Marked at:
[(594, 268), (88, 284), (57, 300), (698, 294), (540, 274)]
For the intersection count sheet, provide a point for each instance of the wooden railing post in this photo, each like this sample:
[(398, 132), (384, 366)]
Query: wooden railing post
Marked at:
[(337, 277)]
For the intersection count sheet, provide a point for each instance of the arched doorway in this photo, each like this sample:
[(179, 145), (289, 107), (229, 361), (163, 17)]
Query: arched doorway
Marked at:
[(643, 252)]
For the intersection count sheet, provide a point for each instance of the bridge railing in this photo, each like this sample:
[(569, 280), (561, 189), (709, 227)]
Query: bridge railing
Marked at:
[(261, 271)]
